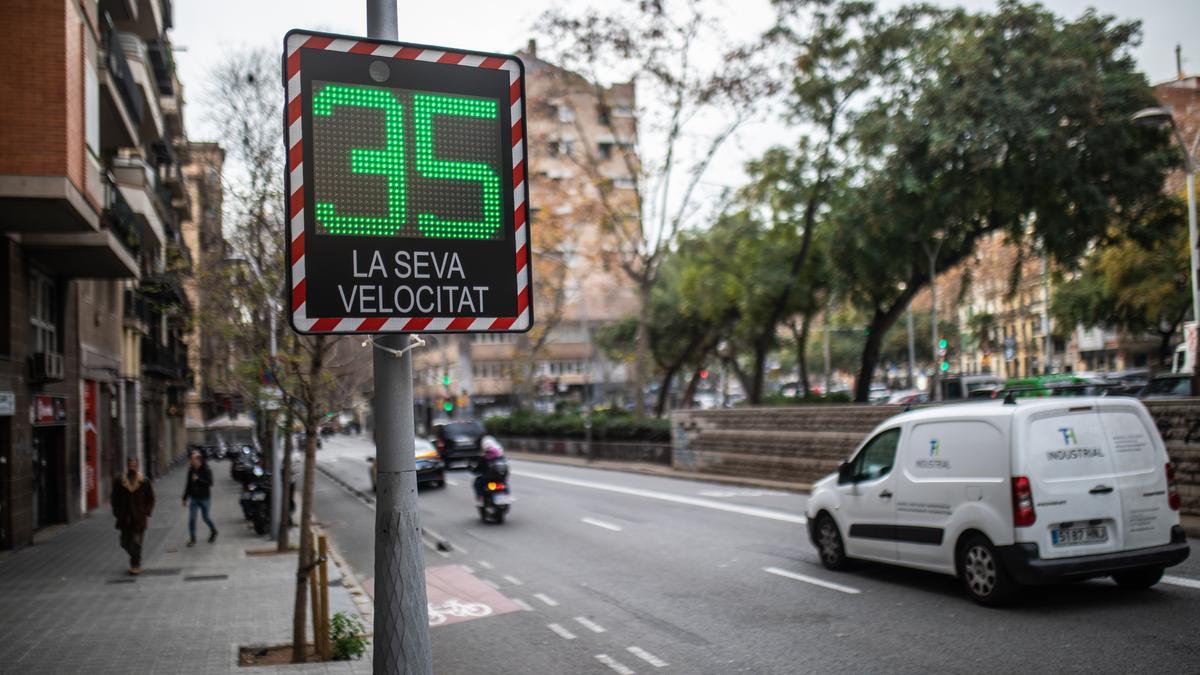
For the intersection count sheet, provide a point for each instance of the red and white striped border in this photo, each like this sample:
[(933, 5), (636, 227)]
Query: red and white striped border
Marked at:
[(300, 318)]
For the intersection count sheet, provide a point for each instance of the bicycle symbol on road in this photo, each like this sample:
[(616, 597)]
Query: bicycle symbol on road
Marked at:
[(438, 614)]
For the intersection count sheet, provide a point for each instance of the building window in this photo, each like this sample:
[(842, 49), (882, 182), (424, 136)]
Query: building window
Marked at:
[(566, 113), (606, 150), (42, 314), (622, 111), (623, 183)]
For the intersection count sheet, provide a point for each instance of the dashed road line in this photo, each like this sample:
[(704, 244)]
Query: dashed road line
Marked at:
[(1181, 581), (601, 523), (513, 580), (614, 664), (647, 657), (562, 632), (491, 583), (589, 624), (486, 565), (546, 599), (756, 512), (522, 604), (468, 569), (811, 580)]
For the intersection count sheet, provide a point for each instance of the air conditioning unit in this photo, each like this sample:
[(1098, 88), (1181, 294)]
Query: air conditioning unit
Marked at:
[(46, 367)]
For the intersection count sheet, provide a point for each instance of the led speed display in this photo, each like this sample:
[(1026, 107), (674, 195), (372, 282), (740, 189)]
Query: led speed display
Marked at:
[(404, 163)]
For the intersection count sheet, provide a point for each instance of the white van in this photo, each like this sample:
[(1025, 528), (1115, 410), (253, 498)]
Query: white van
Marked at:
[(1007, 493)]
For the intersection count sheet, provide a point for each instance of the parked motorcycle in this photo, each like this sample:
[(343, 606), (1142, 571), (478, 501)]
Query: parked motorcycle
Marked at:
[(256, 500)]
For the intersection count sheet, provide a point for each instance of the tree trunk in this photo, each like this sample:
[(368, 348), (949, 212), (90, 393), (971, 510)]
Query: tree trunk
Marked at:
[(664, 392), (689, 394), (305, 559), (802, 352), (759, 376), (870, 358), (1165, 353), (642, 366), (285, 481)]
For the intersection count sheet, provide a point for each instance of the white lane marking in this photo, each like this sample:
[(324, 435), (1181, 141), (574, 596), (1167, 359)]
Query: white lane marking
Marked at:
[(811, 580), (468, 569), (486, 565), (546, 599), (522, 604), (513, 580), (668, 497), (727, 494), (491, 583), (1181, 581), (589, 624), (614, 664), (562, 632), (601, 523), (451, 482), (647, 657)]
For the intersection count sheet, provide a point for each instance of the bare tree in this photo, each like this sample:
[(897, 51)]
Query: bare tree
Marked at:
[(663, 49)]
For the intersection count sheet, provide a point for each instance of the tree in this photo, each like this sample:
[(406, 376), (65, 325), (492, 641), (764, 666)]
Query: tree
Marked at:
[(245, 100), (1139, 287), (663, 47), (1013, 122)]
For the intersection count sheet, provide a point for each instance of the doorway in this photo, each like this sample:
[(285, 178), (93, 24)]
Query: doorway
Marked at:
[(48, 451)]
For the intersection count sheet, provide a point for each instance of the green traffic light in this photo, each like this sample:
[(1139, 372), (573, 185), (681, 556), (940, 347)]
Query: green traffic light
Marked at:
[(942, 344), (446, 380), (448, 406), (945, 366)]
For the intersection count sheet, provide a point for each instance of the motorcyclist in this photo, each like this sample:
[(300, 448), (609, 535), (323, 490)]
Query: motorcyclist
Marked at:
[(491, 467)]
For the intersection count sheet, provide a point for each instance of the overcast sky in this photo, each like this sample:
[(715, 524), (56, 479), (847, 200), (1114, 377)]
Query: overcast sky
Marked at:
[(206, 30)]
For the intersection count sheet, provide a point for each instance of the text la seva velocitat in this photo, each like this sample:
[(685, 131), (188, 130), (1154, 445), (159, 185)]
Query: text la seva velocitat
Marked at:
[(438, 297)]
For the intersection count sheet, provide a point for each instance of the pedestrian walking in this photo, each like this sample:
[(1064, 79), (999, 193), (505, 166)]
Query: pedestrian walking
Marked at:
[(132, 504), (198, 488)]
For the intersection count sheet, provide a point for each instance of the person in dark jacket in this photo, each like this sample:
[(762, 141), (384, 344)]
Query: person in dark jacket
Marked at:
[(132, 503), (198, 487)]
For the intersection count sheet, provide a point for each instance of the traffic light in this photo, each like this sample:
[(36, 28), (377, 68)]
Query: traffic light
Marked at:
[(943, 344), (945, 366), (704, 374), (448, 406), (446, 380)]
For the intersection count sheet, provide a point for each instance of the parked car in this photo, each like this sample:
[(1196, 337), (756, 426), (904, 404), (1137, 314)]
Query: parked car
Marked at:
[(1008, 493), (1167, 385), (908, 397), (430, 469), (459, 441), (959, 387)]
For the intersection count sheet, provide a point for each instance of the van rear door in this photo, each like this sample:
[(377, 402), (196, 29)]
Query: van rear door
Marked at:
[(1140, 460), (1070, 468)]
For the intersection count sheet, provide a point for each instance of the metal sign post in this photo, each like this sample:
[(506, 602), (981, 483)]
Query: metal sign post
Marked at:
[(407, 214)]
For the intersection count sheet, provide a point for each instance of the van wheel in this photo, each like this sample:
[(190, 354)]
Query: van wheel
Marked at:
[(829, 544), (983, 574), (1141, 578)]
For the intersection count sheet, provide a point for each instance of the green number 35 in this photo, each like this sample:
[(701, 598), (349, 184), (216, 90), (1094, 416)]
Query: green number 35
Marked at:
[(389, 162)]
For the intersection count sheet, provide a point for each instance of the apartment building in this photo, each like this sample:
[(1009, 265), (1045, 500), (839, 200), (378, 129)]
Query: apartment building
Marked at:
[(582, 160), (92, 360)]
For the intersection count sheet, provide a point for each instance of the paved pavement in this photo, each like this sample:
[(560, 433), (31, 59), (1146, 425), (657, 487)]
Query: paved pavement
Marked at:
[(616, 572), (67, 605)]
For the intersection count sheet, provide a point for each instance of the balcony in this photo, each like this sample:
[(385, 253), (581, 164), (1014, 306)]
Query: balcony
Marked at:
[(124, 107), (150, 202), (167, 361), (142, 72), (113, 252)]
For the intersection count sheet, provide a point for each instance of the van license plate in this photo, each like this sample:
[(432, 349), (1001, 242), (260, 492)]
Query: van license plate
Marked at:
[(1071, 536)]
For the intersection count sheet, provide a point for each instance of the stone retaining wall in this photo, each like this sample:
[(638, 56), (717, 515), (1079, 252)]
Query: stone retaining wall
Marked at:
[(802, 444), (652, 453)]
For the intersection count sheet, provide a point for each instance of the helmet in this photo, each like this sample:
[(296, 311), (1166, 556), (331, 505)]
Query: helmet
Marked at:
[(491, 448)]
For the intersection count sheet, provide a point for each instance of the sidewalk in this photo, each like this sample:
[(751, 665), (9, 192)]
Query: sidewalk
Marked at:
[(68, 605)]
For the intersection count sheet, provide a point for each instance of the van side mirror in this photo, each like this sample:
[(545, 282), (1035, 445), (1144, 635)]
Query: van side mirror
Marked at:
[(845, 473)]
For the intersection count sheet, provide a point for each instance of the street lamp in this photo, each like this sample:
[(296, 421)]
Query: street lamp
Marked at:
[(1160, 116)]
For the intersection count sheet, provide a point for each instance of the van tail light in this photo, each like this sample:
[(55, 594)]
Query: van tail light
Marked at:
[(1172, 488), (441, 445), (1022, 500)]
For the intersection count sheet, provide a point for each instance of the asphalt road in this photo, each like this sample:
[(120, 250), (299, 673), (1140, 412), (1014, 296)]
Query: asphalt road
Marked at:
[(616, 572)]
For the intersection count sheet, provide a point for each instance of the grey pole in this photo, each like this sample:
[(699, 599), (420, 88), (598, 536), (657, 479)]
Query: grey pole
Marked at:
[(912, 348), (825, 351), (933, 320), (401, 612)]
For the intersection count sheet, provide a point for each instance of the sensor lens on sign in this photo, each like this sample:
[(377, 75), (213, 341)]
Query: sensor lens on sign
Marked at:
[(379, 71), (403, 163)]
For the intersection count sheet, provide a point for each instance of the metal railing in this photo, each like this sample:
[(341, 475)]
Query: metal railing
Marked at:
[(119, 218), (120, 72)]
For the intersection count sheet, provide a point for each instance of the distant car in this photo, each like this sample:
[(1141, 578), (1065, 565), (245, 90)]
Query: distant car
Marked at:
[(430, 469), (1169, 385), (879, 394), (459, 441), (908, 397)]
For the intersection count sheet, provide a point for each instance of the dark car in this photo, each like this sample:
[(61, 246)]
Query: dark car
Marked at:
[(459, 441), (430, 469), (1171, 385)]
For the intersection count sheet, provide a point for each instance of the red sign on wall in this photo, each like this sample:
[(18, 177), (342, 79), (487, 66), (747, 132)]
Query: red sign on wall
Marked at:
[(91, 443), (49, 409)]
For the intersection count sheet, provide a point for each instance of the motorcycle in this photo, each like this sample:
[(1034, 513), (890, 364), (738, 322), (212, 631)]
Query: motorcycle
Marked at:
[(495, 502), (492, 496), (256, 500)]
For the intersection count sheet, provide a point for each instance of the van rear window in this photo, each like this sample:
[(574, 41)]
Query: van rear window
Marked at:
[(1068, 447), (1130, 440)]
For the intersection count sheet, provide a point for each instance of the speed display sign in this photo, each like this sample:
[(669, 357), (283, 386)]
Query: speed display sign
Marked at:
[(407, 195)]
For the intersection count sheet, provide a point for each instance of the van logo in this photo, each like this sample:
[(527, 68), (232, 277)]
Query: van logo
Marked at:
[(1068, 435), (934, 447)]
